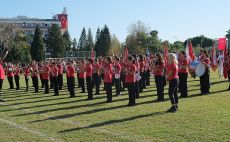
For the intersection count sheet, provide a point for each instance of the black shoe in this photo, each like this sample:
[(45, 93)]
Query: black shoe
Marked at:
[(130, 105), (108, 101), (82, 92), (172, 109), (56, 95)]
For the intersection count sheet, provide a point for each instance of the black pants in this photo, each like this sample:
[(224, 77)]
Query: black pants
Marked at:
[(131, 91), (137, 83), (1, 83), (55, 85), (16, 79), (183, 84), (159, 80), (11, 83), (71, 86), (89, 88), (51, 82), (42, 81), (32, 80), (145, 79), (46, 86), (204, 82), (148, 78), (96, 82), (173, 85), (27, 82), (108, 89), (141, 82), (82, 84), (123, 84), (36, 84), (117, 86), (60, 81)]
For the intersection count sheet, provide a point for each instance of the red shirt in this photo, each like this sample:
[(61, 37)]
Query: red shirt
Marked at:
[(117, 68), (46, 73), (160, 69), (174, 69), (81, 71), (34, 70), (10, 72), (130, 78), (70, 71), (108, 73), (60, 69), (96, 68), (207, 61), (17, 71), (183, 62), (89, 70), (55, 71), (2, 72), (142, 66), (27, 71)]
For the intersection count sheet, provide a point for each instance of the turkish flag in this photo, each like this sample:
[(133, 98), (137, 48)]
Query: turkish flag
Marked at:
[(221, 43)]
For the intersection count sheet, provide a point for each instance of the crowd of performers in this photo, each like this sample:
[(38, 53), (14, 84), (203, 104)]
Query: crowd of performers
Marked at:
[(132, 73)]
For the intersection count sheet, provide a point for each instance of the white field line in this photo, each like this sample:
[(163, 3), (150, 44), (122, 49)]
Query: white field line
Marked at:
[(31, 131), (116, 134)]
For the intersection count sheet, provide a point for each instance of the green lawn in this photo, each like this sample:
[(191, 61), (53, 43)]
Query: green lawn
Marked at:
[(27, 117)]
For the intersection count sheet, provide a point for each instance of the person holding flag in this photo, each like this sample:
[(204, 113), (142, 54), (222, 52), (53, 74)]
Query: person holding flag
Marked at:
[(183, 74)]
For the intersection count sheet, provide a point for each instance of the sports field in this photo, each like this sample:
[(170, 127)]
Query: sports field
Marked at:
[(28, 117)]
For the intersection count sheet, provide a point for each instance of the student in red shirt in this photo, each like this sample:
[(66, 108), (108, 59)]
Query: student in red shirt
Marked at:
[(17, 72), (82, 75), (142, 70), (130, 79), (27, 71), (137, 82), (45, 77), (96, 77), (158, 71), (89, 73), (172, 76), (108, 78), (10, 75), (123, 64), (60, 75), (70, 72), (35, 74), (54, 73), (117, 71), (40, 67), (204, 79), (183, 74)]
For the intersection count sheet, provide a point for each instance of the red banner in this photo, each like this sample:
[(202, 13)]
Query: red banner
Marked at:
[(221, 43)]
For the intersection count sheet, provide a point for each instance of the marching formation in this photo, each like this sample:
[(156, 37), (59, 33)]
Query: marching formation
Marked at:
[(132, 72)]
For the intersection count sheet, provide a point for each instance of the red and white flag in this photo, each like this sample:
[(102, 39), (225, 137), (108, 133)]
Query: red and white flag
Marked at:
[(214, 59), (221, 43), (190, 53)]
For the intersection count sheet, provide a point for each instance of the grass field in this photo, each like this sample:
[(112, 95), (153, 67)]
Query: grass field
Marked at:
[(27, 117)]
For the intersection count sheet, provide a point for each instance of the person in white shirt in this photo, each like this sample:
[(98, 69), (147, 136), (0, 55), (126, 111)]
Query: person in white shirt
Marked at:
[(220, 61)]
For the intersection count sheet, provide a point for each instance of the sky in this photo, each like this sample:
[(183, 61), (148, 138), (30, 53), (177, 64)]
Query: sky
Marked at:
[(173, 19)]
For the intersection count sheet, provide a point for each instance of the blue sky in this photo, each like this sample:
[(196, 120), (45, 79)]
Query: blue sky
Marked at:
[(174, 19)]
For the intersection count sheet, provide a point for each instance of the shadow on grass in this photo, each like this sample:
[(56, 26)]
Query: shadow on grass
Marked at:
[(115, 121)]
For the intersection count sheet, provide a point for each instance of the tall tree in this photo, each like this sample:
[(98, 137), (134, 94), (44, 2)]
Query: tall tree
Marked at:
[(74, 43), (38, 46), (115, 46), (67, 41), (89, 45), (104, 42), (55, 42), (97, 40), (82, 40)]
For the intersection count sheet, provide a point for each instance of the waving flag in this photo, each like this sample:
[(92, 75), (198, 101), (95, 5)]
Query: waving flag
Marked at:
[(221, 43), (214, 60), (189, 52), (126, 53), (225, 59)]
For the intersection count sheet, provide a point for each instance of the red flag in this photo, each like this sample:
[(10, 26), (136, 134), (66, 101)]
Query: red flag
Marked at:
[(166, 54), (126, 53), (221, 43), (92, 54), (225, 59), (189, 52), (214, 60)]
